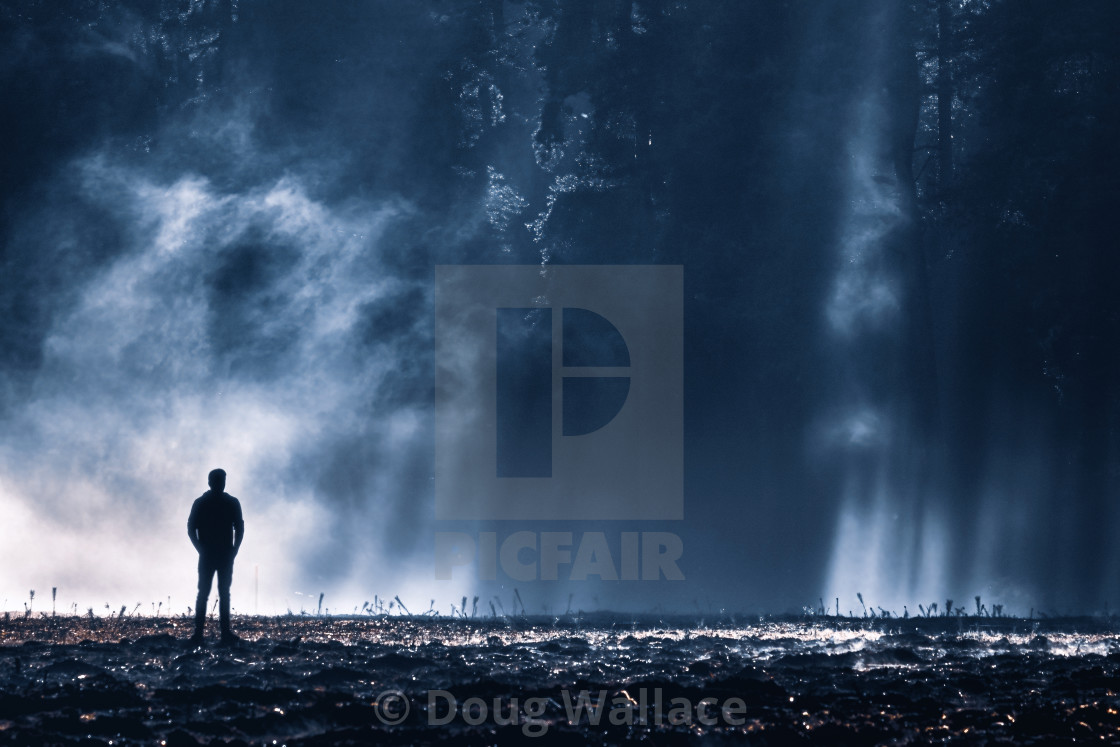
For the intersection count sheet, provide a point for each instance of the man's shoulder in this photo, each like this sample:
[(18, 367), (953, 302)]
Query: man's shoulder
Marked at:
[(216, 499), (210, 498)]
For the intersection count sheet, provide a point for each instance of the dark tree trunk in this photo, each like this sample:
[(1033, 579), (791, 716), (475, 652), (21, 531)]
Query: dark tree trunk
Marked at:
[(944, 96)]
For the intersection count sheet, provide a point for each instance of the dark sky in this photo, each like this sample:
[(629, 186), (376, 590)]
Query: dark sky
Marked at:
[(221, 222)]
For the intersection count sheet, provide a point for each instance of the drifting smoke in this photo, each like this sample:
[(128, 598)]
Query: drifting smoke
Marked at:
[(889, 543), (233, 329), (208, 287), (221, 230)]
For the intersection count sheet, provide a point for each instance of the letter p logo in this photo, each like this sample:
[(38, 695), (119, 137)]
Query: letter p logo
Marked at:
[(524, 379), (558, 392)]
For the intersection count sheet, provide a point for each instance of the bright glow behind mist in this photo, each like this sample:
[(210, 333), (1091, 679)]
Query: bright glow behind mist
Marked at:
[(134, 404)]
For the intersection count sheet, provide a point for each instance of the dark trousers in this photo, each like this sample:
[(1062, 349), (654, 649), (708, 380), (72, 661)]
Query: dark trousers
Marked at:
[(209, 563)]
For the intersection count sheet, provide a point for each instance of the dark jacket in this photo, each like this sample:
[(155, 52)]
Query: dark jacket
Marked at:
[(215, 524)]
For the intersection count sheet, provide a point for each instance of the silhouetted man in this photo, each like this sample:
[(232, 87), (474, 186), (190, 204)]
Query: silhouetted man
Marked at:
[(216, 530)]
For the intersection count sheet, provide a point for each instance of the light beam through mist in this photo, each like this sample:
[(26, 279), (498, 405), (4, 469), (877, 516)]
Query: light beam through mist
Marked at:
[(887, 546)]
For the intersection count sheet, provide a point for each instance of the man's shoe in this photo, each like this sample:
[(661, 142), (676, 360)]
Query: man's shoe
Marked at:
[(196, 640), (229, 638)]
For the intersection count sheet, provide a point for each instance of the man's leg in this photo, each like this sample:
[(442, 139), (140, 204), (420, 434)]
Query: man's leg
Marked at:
[(225, 579), (205, 579)]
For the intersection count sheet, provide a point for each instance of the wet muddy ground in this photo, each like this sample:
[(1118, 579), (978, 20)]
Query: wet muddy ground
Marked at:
[(594, 680)]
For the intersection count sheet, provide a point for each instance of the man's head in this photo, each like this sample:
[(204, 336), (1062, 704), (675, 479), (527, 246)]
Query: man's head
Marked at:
[(217, 480)]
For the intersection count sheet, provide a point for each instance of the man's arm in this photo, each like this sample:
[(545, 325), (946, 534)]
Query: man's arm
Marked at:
[(238, 526), (192, 526)]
